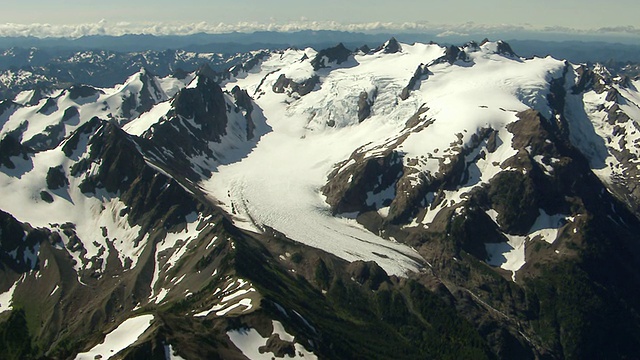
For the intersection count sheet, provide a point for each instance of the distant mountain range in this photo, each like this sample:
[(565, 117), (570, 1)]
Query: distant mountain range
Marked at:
[(587, 50)]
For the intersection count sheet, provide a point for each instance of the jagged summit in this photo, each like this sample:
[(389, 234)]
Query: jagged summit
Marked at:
[(337, 54), (206, 71), (391, 46)]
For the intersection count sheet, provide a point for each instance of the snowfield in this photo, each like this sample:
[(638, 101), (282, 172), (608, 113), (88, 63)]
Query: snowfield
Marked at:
[(278, 184)]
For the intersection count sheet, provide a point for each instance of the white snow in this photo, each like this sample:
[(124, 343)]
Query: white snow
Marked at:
[(249, 342), (278, 183), (161, 295), (278, 328), (144, 121), (599, 140), (23, 97), (510, 255), (170, 354), (122, 337), (171, 85), (246, 303), (54, 290), (108, 104), (236, 295), (170, 250), (6, 298), (21, 198), (91, 214)]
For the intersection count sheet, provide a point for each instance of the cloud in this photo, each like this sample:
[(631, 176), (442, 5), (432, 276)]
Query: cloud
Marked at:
[(620, 29), (451, 33), (105, 27)]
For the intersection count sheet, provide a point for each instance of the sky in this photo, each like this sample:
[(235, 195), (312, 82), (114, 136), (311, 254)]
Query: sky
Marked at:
[(79, 17)]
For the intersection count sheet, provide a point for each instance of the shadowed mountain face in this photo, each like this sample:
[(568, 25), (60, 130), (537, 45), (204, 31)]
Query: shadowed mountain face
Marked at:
[(410, 201)]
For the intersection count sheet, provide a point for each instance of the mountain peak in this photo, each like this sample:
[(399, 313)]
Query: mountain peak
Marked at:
[(337, 54), (391, 46), (206, 71)]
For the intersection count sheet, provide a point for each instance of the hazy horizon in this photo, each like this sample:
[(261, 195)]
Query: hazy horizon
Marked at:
[(545, 18)]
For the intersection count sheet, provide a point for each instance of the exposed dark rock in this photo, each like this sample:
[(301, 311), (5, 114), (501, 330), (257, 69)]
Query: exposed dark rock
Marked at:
[(82, 132), (392, 46), (10, 147), (180, 74), (278, 347), (137, 103), (588, 79), (148, 195), (337, 54), (203, 106), (242, 98), (49, 138), (557, 99), (616, 116), (612, 95), (505, 49), (70, 113), (472, 229), (513, 195), (83, 91), (16, 241), (347, 190), (364, 49), (8, 107), (624, 81), (492, 142), (417, 118), (302, 89), (46, 197), (254, 61), (243, 101), (367, 273), (12, 233), (56, 178), (37, 95), (421, 71), (364, 105), (235, 70), (472, 45), (451, 55), (205, 71), (49, 107)]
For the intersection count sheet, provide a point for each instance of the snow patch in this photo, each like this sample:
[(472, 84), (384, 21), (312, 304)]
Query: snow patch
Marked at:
[(236, 295), (122, 337), (249, 341), (170, 354), (6, 298), (510, 255)]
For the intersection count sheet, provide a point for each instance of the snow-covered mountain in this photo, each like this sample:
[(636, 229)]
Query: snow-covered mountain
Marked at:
[(23, 69), (410, 201)]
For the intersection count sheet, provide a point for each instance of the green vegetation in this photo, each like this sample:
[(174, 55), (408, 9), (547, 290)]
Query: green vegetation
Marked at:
[(514, 198), (579, 318), (396, 321), (15, 340)]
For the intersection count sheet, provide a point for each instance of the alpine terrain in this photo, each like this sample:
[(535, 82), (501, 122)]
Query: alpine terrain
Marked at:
[(412, 201)]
